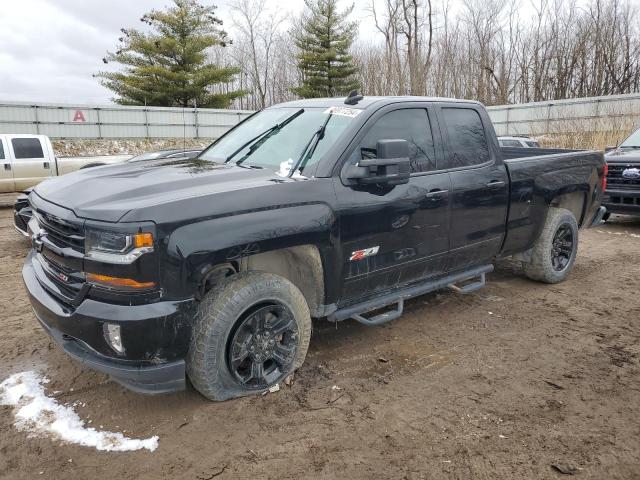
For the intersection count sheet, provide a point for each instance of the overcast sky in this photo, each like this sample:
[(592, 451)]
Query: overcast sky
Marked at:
[(50, 48)]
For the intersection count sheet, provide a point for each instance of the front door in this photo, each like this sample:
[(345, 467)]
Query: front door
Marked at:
[(391, 236), (480, 189), (30, 166), (6, 175)]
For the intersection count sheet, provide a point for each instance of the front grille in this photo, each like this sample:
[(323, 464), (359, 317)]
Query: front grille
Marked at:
[(68, 283), (615, 180), (62, 233), (633, 201), (61, 255)]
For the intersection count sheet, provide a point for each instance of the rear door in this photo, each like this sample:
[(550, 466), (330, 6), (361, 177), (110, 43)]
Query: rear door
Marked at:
[(31, 161), (6, 175), (479, 185), (391, 236)]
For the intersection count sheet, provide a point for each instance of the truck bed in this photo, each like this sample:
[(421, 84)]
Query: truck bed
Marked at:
[(571, 178)]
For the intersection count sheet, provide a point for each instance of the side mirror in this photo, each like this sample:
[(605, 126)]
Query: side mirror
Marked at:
[(389, 167)]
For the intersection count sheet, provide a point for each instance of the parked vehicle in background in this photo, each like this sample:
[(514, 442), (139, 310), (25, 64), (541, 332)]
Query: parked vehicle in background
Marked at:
[(515, 141), (623, 178), (212, 267), (26, 160), (22, 209), (176, 153), (22, 212)]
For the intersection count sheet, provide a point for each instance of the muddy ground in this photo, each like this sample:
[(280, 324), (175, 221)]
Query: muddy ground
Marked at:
[(503, 383)]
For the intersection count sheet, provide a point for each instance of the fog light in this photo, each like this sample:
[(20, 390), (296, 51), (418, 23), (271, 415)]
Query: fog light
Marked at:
[(112, 335)]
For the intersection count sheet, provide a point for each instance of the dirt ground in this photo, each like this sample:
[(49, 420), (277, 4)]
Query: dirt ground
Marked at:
[(502, 383)]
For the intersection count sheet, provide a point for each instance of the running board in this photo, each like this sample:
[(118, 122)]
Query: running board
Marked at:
[(357, 312), (469, 287)]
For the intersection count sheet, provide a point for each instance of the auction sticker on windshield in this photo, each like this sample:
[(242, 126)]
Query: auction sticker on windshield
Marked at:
[(343, 111)]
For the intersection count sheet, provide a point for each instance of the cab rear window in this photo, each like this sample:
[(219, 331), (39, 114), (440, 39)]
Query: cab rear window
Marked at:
[(467, 140), (27, 148)]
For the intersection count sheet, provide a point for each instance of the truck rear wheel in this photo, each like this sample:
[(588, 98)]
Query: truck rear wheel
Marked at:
[(554, 253), (250, 333)]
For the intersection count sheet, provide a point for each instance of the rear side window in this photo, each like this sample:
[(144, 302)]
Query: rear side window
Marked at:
[(510, 143), (27, 148), (411, 124), (467, 140), (533, 144)]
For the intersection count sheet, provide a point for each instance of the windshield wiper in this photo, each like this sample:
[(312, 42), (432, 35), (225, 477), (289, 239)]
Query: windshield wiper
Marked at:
[(310, 147), (255, 143)]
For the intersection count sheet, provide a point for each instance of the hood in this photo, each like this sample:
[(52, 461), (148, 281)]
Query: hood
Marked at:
[(108, 193), (623, 155)]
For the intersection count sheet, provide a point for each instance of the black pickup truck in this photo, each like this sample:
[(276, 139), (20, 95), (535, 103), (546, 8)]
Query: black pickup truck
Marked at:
[(622, 194), (212, 268)]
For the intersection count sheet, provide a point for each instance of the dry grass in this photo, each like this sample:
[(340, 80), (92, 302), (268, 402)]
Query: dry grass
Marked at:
[(584, 140)]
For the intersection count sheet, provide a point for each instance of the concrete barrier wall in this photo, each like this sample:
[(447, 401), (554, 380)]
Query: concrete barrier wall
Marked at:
[(610, 113), (593, 114), (115, 121)]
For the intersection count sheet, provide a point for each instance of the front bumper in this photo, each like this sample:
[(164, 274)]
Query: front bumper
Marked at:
[(77, 331), (626, 202)]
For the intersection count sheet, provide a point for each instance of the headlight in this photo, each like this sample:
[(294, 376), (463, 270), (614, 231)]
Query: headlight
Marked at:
[(116, 247)]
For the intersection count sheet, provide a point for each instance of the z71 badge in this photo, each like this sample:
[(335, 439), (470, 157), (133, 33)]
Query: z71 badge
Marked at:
[(367, 252)]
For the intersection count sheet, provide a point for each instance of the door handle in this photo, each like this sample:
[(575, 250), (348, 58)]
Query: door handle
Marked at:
[(7, 166), (45, 165), (495, 184), (437, 193)]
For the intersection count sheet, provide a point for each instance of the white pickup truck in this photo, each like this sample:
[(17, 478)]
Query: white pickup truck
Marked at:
[(26, 160)]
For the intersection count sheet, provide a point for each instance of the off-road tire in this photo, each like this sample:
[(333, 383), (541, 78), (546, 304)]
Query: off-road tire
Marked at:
[(540, 267), (606, 217), (220, 311)]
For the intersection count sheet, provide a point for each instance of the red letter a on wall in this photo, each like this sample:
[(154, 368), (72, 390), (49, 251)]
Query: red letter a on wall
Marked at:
[(79, 116)]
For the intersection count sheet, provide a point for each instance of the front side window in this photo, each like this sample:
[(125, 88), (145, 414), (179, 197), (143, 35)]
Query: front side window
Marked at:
[(258, 142), (533, 144), (412, 125), (1, 151), (27, 148), (510, 143), (467, 140)]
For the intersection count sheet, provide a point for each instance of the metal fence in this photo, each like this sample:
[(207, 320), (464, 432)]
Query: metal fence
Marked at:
[(115, 121), (593, 114), (610, 113)]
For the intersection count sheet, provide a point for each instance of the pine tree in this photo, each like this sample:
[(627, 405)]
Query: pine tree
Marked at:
[(168, 66), (323, 39)]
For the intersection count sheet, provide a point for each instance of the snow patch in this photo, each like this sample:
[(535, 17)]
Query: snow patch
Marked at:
[(41, 415)]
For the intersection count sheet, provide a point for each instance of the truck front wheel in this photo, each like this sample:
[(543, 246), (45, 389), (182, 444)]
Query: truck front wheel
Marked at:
[(250, 333), (554, 253)]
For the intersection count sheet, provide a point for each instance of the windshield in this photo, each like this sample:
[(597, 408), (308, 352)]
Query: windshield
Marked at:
[(632, 141), (246, 145)]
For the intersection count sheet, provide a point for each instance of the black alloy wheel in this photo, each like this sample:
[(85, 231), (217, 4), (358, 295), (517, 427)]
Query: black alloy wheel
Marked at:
[(263, 346), (562, 247)]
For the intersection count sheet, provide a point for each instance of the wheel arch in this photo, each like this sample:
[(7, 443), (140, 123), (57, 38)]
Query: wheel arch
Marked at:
[(574, 202), (300, 264)]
